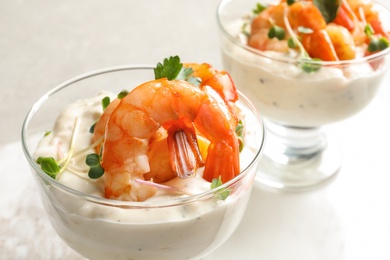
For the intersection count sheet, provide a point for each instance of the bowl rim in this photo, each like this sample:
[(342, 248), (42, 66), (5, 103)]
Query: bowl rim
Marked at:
[(290, 60), (118, 203)]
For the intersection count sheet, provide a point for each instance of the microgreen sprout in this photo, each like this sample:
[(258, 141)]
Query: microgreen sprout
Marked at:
[(49, 166), (105, 102), (304, 59), (122, 94), (223, 193), (240, 134), (92, 128), (52, 167), (377, 44), (276, 32), (368, 30), (291, 43), (93, 160)]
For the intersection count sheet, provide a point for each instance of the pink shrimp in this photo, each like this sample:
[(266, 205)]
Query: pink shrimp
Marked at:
[(179, 107)]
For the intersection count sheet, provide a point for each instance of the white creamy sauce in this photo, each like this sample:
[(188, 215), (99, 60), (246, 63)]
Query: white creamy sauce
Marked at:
[(288, 95), (106, 232)]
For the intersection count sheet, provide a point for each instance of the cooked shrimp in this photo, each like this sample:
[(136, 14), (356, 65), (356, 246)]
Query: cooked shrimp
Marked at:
[(305, 14), (179, 107), (342, 41), (366, 12), (219, 80), (261, 41), (328, 42)]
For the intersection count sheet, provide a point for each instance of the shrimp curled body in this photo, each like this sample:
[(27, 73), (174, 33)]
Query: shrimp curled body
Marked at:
[(182, 110)]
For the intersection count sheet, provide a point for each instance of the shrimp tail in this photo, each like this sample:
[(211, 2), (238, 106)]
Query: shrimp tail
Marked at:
[(183, 147), (219, 154)]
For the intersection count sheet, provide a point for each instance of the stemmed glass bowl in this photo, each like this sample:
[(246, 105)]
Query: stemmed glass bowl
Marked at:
[(99, 228), (296, 104)]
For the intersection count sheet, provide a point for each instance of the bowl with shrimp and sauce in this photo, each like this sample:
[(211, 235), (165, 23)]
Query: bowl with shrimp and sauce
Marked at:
[(305, 64), (132, 162)]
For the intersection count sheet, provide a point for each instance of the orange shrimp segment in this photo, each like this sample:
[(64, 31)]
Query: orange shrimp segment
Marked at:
[(342, 41), (319, 45), (220, 81), (307, 15), (159, 158), (185, 156), (345, 17)]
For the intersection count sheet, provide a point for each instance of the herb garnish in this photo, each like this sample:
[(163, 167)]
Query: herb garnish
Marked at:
[(304, 59), (52, 167), (240, 134), (172, 69), (95, 169), (105, 102), (328, 8), (223, 193), (376, 44), (276, 32), (122, 94), (49, 165), (259, 8)]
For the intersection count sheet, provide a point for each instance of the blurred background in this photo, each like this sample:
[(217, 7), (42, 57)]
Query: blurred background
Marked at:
[(43, 43)]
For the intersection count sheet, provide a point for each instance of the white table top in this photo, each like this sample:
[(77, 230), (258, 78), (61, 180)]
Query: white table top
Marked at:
[(46, 42)]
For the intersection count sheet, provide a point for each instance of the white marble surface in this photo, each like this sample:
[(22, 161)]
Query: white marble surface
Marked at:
[(45, 42)]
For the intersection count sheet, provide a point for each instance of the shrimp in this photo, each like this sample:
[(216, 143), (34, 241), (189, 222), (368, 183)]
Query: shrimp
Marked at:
[(179, 108), (305, 14), (261, 25), (342, 41), (366, 12), (328, 42)]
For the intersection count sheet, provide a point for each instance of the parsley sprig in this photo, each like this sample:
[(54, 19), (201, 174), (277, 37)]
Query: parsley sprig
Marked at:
[(172, 69)]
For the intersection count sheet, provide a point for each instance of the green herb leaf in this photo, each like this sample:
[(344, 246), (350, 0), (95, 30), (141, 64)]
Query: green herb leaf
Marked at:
[(328, 8), (368, 30), (290, 2), (223, 193), (309, 66), (259, 8), (92, 128), (47, 133), (291, 43), (49, 166), (95, 169), (105, 102), (170, 68), (383, 43), (240, 135), (122, 94), (95, 172), (92, 159), (377, 44), (276, 32)]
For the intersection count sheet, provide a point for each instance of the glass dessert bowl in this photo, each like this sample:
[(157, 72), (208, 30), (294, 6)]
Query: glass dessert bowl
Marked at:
[(296, 93), (170, 225)]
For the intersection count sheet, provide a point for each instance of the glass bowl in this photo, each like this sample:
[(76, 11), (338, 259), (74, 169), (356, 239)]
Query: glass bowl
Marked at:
[(100, 228), (297, 104)]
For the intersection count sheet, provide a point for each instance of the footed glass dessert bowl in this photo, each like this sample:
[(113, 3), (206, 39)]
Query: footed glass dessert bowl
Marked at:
[(305, 66), (184, 219)]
